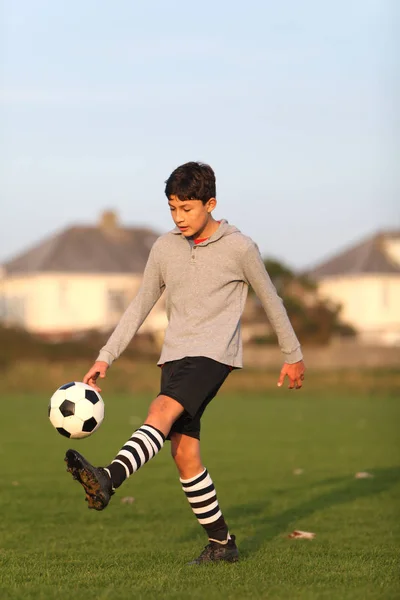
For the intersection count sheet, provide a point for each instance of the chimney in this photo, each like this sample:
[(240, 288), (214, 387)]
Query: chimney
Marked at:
[(108, 221)]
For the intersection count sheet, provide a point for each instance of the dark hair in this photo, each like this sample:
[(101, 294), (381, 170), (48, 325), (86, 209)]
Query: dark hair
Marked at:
[(191, 181)]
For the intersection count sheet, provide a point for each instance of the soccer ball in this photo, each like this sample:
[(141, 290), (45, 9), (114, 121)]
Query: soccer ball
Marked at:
[(76, 410)]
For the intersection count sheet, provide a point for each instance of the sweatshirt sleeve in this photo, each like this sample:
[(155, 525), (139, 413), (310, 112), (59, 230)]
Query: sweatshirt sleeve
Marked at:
[(256, 275), (151, 289)]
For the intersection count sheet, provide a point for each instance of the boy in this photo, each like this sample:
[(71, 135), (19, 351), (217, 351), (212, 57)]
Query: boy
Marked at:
[(205, 266)]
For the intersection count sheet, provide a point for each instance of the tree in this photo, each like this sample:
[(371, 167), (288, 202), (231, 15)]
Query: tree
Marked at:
[(315, 320)]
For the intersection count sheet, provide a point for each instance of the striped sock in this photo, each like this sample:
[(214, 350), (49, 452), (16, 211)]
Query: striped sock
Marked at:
[(200, 492), (138, 450)]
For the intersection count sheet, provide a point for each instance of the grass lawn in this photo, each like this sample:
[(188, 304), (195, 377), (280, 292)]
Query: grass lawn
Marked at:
[(52, 547)]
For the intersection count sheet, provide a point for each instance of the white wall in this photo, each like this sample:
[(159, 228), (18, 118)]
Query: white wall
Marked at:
[(15, 300), (371, 303), (57, 303)]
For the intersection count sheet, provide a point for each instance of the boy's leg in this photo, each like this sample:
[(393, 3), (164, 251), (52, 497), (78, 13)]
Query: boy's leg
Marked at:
[(145, 443), (187, 385), (200, 492)]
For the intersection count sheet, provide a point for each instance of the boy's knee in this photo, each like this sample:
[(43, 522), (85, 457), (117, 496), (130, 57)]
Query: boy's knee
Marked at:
[(186, 454), (163, 406), (163, 412), (180, 450)]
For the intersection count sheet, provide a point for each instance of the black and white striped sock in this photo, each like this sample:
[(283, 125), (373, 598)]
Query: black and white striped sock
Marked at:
[(200, 492), (145, 443)]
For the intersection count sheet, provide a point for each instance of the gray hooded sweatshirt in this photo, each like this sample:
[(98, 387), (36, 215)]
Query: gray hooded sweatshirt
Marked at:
[(206, 288)]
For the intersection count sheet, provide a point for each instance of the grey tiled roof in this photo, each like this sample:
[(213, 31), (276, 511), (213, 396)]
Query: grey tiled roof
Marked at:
[(87, 250), (369, 256)]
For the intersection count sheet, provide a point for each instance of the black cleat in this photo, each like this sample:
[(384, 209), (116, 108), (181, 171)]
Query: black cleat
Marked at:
[(214, 552), (95, 480)]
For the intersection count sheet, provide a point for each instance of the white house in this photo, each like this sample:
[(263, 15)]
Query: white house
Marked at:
[(365, 280), (78, 280)]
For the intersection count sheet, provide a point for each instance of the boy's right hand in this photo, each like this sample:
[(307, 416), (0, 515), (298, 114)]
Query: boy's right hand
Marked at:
[(99, 369)]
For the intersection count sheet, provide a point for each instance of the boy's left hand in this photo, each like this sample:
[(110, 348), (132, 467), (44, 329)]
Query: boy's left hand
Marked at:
[(295, 372)]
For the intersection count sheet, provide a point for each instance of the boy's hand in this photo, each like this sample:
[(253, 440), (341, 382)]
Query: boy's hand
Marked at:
[(99, 369), (295, 372)]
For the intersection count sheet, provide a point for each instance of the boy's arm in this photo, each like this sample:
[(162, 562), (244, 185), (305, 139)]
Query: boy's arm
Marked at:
[(151, 288), (257, 276)]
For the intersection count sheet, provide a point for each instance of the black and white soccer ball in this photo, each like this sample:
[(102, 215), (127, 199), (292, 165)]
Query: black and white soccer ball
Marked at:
[(76, 410)]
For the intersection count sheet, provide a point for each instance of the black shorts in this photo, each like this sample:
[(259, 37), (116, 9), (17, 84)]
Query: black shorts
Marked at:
[(192, 381)]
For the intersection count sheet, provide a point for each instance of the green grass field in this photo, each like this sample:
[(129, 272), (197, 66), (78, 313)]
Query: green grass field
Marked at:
[(52, 547)]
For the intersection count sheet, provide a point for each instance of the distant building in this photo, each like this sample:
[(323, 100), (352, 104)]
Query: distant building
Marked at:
[(365, 280), (78, 280)]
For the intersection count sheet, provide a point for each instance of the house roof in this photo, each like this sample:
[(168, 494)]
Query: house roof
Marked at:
[(369, 256), (107, 248)]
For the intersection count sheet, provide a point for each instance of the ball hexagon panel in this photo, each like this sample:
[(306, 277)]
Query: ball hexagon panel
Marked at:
[(77, 435), (84, 409), (72, 424), (57, 398), (98, 412), (75, 393), (56, 417)]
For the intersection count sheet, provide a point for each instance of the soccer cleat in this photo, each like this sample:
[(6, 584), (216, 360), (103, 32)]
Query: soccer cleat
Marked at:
[(95, 480), (214, 552)]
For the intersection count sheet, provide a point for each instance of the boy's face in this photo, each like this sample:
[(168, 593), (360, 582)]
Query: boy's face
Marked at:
[(191, 216)]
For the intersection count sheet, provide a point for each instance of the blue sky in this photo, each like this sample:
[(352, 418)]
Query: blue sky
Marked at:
[(293, 103)]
